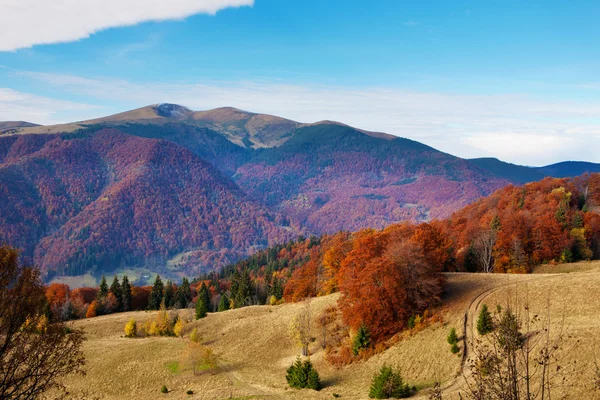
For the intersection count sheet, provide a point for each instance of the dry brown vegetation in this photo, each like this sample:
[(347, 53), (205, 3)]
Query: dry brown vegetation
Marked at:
[(254, 347)]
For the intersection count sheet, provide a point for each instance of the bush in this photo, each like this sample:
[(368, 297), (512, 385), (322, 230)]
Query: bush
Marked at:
[(388, 383), (131, 329), (302, 375), (164, 389), (189, 392), (195, 337), (179, 327), (452, 337)]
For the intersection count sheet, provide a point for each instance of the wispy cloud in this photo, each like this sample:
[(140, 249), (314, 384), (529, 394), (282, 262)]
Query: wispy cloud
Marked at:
[(18, 106), (516, 128), (26, 23), (410, 23)]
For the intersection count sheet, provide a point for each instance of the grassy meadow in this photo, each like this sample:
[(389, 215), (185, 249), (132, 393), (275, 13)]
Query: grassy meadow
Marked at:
[(254, 346)]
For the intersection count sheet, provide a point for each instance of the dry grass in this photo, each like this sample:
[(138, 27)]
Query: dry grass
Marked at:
[(254, 349)]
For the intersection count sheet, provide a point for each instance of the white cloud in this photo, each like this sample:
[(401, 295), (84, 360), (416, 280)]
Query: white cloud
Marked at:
[(515, 128), (17, 106), (26, 23), (410, 23)]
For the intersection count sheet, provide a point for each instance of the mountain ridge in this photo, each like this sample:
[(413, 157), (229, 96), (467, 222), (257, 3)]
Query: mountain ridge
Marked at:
[(279, 178)]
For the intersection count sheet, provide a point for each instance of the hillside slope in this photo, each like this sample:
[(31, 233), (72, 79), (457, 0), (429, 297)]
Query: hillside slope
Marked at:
[(110, 199), (332, 177), (254, 363)]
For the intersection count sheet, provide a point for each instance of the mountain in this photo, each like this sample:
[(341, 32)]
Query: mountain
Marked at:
[(12, 126), (331, 177), (109, 200), (521, 174), (566, 169), (163, 186)]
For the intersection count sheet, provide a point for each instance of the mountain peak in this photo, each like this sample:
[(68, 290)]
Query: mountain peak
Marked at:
[(168, 110)]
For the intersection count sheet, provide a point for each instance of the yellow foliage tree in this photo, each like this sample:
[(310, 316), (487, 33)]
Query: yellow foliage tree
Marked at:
[(131, 328), (179, 327)]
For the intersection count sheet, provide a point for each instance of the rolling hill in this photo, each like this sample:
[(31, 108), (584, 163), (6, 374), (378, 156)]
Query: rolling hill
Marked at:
[(253, 364)]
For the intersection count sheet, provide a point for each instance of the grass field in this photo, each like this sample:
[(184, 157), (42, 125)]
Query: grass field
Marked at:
[(254, 348)]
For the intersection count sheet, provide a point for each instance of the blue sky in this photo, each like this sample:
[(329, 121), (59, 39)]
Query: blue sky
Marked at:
[(512, 79)]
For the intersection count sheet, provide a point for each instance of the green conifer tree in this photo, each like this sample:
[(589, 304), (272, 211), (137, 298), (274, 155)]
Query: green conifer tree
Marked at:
[(156, 295), (126, 293), (169, 295), (362, 340), (223, 303), (103, 290), (116, 290), (183, 294), (388, 383), (203, 301), (485, 323), (452, 337)]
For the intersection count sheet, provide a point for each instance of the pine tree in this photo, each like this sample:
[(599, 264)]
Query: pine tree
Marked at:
[(452, 337), (241, 288), (115, 289), (169, 296), (103, 290), (485, 324), (277, 288), (183, 294), (223, 303), (362, 340), (303, 375), (388, 383), (126, 293), (202, 302), (156, 295)]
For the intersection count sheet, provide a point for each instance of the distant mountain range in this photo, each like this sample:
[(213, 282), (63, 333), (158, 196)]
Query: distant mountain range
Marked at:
[(179, 192), (519, 174)]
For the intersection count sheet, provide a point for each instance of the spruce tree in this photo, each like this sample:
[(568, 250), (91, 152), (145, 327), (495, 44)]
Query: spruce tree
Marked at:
[(485, 324), (202, 302), (362, 340), (126, 293), (115, 289), (183, 294), (223, 303), (156, 295), (388, 383), (169, 296), (452, 337), (303, 375), (103, 289)]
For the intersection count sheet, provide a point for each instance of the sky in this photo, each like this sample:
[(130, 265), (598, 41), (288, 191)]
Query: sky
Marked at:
[(515, 80)]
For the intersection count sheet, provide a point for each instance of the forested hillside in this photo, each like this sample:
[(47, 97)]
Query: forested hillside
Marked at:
[(111, 199)]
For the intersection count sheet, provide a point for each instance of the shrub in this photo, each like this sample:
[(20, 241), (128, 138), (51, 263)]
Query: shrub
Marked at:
[(485, 324), (411, 322), (164, 389), (302, 375), (131, 328), (388, 383), (362, 340), (195, 337), (189, 392), (452, 337), (179, 327)]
